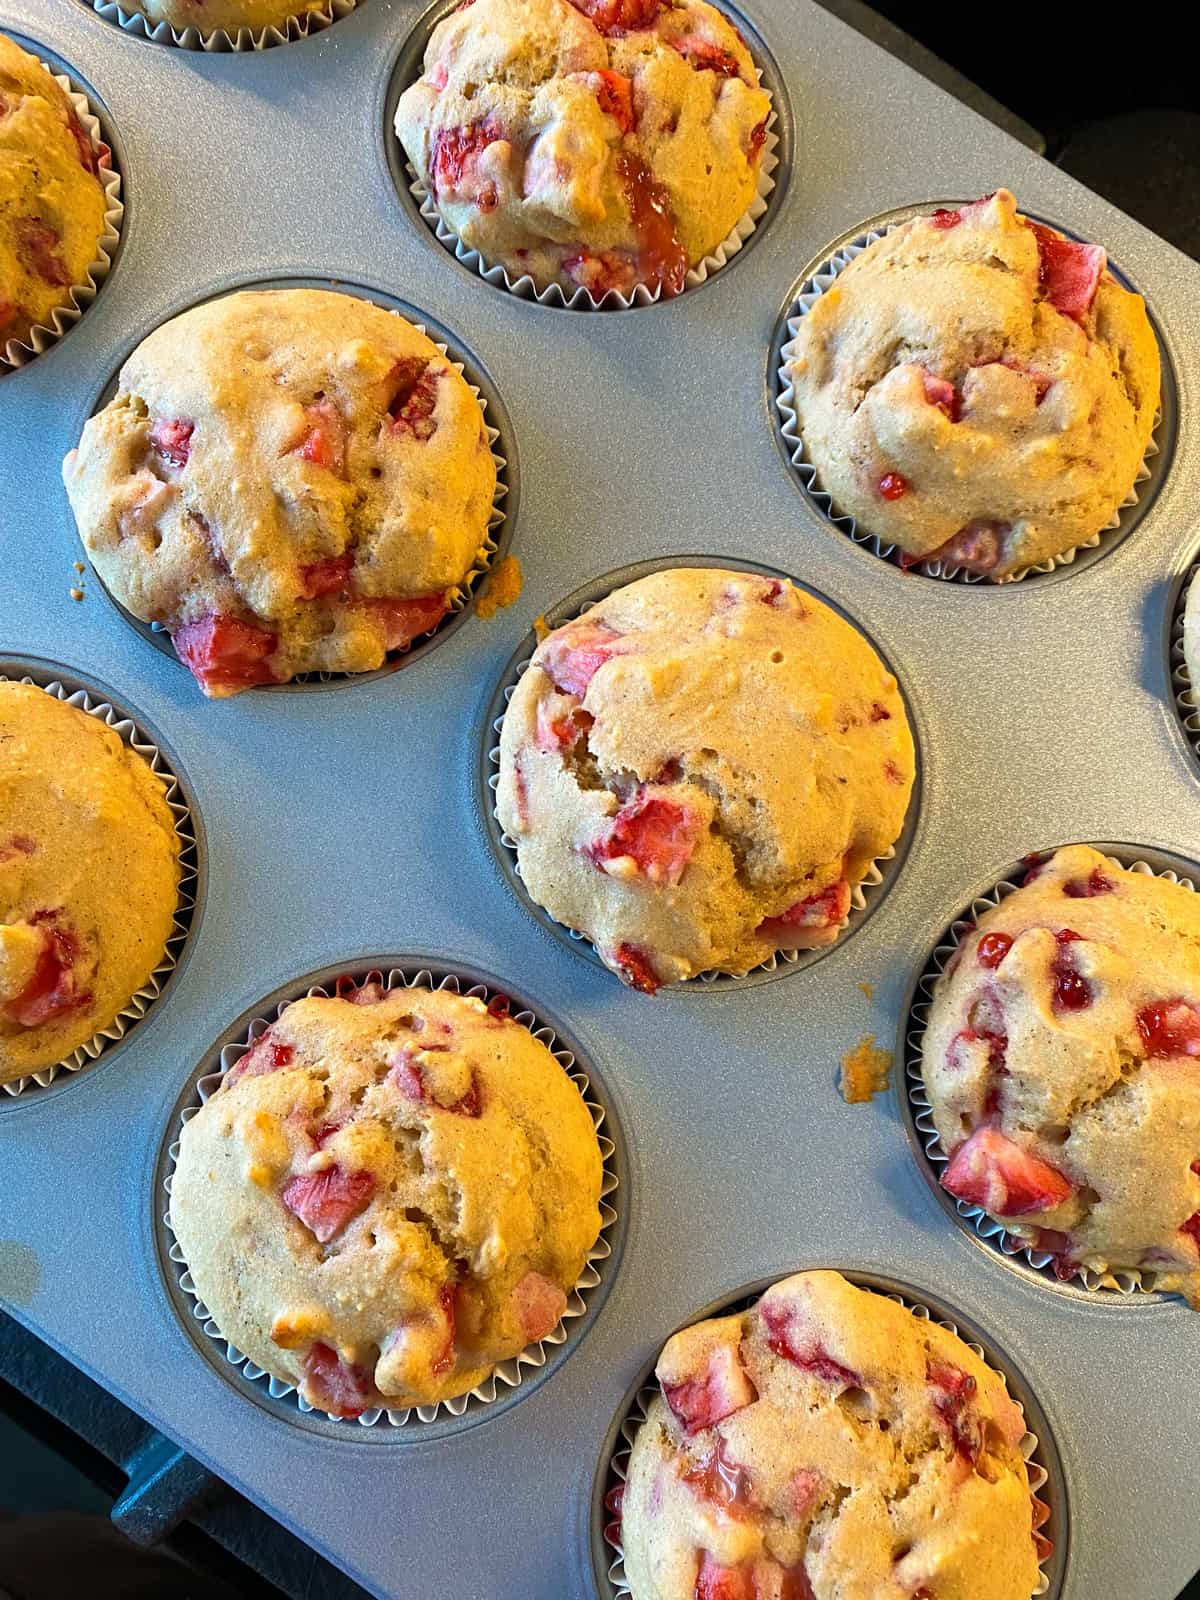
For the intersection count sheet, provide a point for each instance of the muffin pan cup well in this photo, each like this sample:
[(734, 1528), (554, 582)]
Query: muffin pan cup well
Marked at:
[(1115, 1288), (99, 702), (1038, 1448), (866, 894), (305, 26), (16, 352), (510, 1380), (418, 202), (819, 276), (497, 539)]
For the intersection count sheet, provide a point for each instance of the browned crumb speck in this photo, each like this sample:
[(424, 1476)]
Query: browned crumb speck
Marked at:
[(540, 627), (76, 594), (865, 1071), (504, 586), (79, 566), (868, 989)]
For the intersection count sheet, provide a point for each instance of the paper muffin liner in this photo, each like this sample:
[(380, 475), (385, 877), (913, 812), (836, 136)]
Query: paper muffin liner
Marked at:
[(862, 894), (793, 443), (506, 1375), (1103, 1284), (1187, 705), (1030, 1445), (220, 39), (141, 1001), (16, 352)]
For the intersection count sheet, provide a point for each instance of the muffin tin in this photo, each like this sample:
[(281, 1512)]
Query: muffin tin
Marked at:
[(353, 822)]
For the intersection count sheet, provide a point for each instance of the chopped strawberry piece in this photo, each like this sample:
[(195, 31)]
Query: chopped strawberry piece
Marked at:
[(658, 835), (758, 138), (52, 989), (997, 1047), (892, 486), (1071, 991), (87, 153), (953, 1393), (225, 654), (499, 1007), (704, 56), (335, 1386), (636, 969), (992, 1172), (1035, 864), (410, 1080), (992, 949), (539, 1304), (773, 1582), (826, 909), (447, 1303), (1192, 1228), (785, 1339), (977, 547), (37, 249), (943, 395), (403, 621), (326, 1201), (1069, 273), (324, 444), (879, 713), (723, 1387), (572, 656), (266, 1054), (1097, 882), (412, 388), (619, 16), (455, 151), (942, 218), (171, 438), (327, 576), (1059, 1246), (561, 723), (614, 93), (715, 1582), (1170, 1028), (807, 1487), (438, 76), (662, 260), (602, 273), (718, 1478), (614, 1501)]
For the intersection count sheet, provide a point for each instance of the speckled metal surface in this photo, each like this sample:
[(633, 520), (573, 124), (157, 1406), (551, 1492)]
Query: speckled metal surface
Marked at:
[(344, 821)]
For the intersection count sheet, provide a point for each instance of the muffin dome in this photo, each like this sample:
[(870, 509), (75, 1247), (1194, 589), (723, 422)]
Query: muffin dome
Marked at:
[(1060, 1062), (977, 389), (828, 1445), (88, 877), (389, 1193), (52, 202), (699, 770), (596, 144), (289, 481)]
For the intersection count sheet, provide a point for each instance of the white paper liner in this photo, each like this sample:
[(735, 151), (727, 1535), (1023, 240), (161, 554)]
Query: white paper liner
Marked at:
[(464, 591), (789, 427), (1187, 705), (139, 1003), (779, 960), (1009, 1243), (16, 352), (506, 1374), (619, 1465), (299, 27)]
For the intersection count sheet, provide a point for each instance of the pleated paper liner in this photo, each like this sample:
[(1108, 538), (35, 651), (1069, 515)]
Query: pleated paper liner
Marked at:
[(304, 26), (498, 535), (1097, 1283), (865, 894), (820, 277), (96, 703), (1046, 1483), (509, 1379), (16, 352), (772, 174), (1186, 693)]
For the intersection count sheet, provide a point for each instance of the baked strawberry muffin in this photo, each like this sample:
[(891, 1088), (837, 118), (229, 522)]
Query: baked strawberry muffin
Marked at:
[(288, 480), (589, 143), (976, 389), (227, 16), (698, 772), (1060, 1062), (52, 202), (389, 1193), (826, 1444), (89, 877)]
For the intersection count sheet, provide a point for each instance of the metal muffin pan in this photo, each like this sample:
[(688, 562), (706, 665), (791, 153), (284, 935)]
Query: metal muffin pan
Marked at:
[(350, 821)]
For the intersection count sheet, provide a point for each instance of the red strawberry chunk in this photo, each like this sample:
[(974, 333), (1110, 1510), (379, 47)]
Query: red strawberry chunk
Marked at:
[(87, 153), (439, 76), (539, 1305), (662, 260), (1072, 992), (614, 92), (723, 1387), (335, 1386), (614, 1501), (879, 713), (414, 395), (1069, 273), (758, 138), (324, 444), (52, 989), (786, 1339), (1170, 1028), (942, 394), (977, 547), (328, 576), (636, 969), (704, 56), (997, 1047), (326, 1201), (225, 654), (807, 1487), (893, 486), (601, 273), (455, 151), (266, 1054), (171, 438), (658, 835), (953, 1392), (619, 16), (992, 949), (572, 656), (718, 1478), (773, 1582), (404, 620), (945, 219), (447, 1302), (826, 909), (37, 249), (409, 1078), (1059, 1247), (1097, 882), (561, 722), (1192, 1228), (992, 1172), (715, 1582)]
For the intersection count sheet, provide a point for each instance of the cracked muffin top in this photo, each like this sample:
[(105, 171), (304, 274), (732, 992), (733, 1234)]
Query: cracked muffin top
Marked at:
[(976, 389), (826, 1444), (228, 16), (1060, 1062), (289, 480), (52, 202), (390, 1192), (699, 770), (89, 877), (596, 144)]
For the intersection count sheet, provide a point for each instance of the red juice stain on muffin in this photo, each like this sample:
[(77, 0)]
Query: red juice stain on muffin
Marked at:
[(38, 246), (662, 260)]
